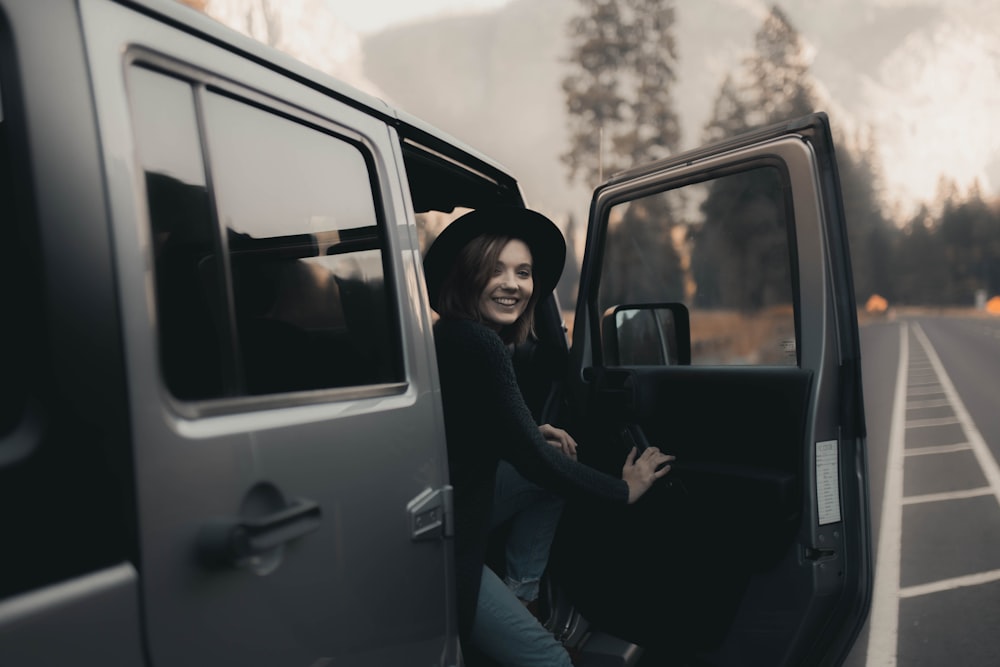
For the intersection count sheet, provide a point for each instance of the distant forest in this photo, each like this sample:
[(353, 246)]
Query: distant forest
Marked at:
[(623, 64)]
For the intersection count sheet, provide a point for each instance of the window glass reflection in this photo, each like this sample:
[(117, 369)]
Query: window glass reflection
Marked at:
[(191, 304), (305, 253), (722, 248)]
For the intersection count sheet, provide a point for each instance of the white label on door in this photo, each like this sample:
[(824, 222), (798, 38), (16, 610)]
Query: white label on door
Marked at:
[(827, 482)]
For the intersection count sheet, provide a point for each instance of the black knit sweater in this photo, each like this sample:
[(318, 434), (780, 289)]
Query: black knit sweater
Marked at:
[(486, 419)]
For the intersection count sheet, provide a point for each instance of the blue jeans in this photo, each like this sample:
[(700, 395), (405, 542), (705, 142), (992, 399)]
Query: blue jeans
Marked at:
[(534, 513), (505, 631)]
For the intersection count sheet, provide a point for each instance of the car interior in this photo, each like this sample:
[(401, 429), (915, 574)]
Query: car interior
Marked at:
[(728, 511), (442, 188)]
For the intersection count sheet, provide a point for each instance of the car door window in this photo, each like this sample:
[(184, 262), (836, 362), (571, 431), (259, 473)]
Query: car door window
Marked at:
[(722, 248), (190, 312), (768, 429), (271, 279)]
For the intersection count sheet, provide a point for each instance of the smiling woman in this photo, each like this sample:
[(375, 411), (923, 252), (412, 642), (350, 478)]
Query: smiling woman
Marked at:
[(485, 272), (223, 365), (492, 266), (509, 289)]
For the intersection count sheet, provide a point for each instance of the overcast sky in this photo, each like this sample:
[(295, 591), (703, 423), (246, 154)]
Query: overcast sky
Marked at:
[(367, 16)]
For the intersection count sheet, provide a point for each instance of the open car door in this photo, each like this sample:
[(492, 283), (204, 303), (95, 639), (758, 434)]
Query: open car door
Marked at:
[(716, 320)]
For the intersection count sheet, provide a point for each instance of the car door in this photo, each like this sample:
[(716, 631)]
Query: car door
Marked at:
[(288, 452), (755, 548)]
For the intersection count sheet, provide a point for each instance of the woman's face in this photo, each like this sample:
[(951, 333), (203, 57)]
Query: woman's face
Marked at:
[(509, 288)]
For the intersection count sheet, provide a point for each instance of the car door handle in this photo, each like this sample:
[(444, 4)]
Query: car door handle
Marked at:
[(235, 542), (255, 536)]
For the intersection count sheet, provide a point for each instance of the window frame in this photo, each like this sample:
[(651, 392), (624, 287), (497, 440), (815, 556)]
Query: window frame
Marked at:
[(635, 193), (202, 82)]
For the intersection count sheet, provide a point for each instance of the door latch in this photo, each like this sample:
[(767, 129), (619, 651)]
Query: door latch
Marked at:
[(814, 553), (431, 514)]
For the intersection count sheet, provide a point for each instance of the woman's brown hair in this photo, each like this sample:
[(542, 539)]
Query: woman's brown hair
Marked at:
[(460, 291)]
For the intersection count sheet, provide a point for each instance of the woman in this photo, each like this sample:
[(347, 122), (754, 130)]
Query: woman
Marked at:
[(485, 273)]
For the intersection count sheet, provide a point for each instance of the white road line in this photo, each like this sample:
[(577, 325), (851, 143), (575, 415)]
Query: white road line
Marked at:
[(938, 449), (950, 584), (883, 627), (983, 455), (948, 495), (932, 403), (940, 421), (926, 391)]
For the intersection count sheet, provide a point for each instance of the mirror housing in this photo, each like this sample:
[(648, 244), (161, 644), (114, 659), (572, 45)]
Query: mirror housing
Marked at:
[(646, 334)]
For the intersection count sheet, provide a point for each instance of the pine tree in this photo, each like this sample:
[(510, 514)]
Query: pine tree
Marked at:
[(968, 240), (621, 114), (623, 57), (744, 227), (869, 232), (772, 84), (921, 275)]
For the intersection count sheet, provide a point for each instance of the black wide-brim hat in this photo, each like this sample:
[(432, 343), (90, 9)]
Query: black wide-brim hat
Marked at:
[(543, 238)]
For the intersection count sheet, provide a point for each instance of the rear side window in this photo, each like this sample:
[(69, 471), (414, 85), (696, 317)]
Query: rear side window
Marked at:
[(268, 247), (190, 310)]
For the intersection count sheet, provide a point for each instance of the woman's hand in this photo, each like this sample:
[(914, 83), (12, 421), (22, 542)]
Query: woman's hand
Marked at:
[(640, 473), (559, 439)]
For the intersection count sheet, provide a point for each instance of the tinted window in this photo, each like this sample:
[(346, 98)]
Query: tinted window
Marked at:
[(273, 280), (191, 302), (304, 248), (722, 248)]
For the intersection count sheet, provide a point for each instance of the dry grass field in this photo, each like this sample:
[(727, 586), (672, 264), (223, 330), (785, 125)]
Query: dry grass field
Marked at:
[(732, 337), (768, 336)]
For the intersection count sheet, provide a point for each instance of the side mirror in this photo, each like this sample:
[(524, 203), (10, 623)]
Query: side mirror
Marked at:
[(648, 334)]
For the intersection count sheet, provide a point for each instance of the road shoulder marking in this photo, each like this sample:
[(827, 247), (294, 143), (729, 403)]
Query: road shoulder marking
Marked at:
[(977, 579), (938, 449), (884, 620), (975, 439), (925, 423), (948, 495)]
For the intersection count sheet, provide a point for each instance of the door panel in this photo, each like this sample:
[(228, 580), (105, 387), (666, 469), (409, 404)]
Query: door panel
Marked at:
[(759, 534), (282, 417), (729, 508)]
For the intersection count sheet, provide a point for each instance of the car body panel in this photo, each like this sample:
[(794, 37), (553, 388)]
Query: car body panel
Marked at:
[(762, 537), (131, 485), (361, 458)]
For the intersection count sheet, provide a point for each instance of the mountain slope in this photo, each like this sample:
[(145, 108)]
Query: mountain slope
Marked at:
[(922, 76), (491, 80)]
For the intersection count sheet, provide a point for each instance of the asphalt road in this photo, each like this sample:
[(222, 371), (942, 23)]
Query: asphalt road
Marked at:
[(932, 403)]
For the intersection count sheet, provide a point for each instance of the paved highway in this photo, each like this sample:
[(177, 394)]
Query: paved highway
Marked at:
[(932, 402)]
